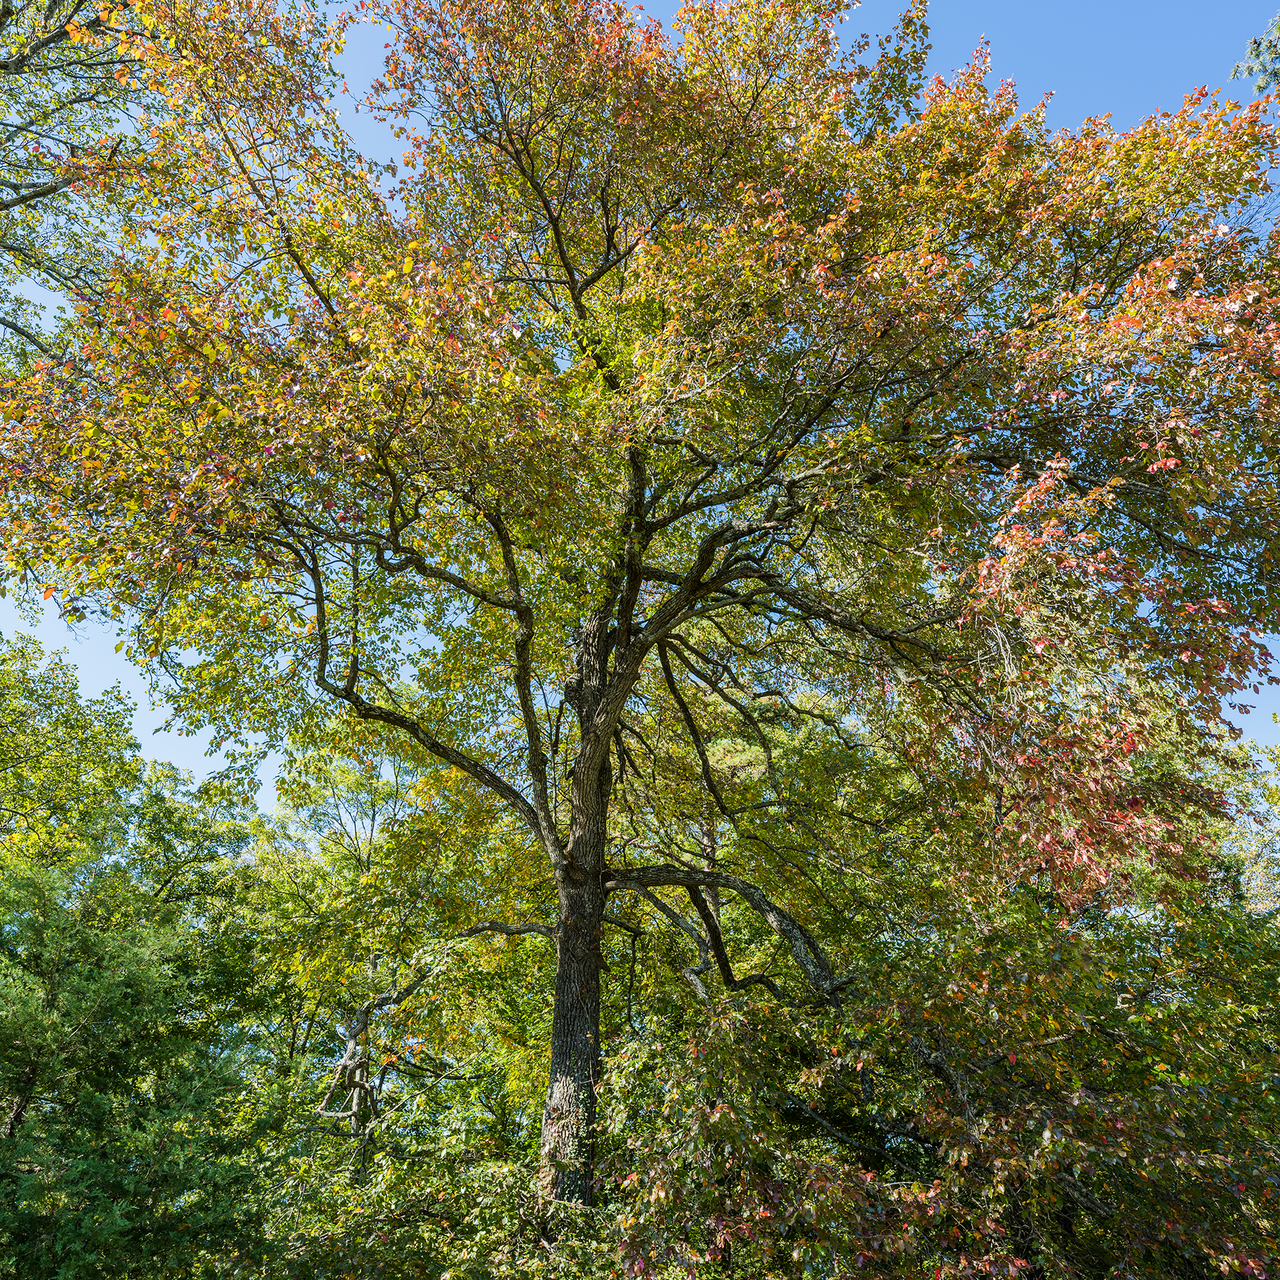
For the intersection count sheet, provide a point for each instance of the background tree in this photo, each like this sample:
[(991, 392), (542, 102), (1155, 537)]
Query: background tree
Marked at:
[(1261, 64), (122, 1013), (674, 388), (412, 1068)]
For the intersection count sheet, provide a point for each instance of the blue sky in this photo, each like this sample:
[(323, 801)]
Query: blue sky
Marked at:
[(1128, 58)]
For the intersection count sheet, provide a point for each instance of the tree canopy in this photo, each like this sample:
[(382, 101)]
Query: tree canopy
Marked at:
[(776, 529), (69, 132)]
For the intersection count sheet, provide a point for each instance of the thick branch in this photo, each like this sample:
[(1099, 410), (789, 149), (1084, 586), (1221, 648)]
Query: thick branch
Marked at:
[(367, 710), (28, 336), (509, 930), (712, 926), (804, 947), (537, 758)]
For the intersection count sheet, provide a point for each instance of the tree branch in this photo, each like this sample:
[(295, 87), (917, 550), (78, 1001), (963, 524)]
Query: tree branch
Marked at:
[(712, 926), (510, 930), (804, 947)]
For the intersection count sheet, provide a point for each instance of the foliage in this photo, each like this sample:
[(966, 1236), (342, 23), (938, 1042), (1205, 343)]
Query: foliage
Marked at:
[(1066, 1100), (775, 525), (121, 1054), (1257, 847), (1262, 60), (72, 120)]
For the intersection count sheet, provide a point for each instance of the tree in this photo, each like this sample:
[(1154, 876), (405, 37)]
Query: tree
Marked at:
[(1003, 1085), (1260, 62), (70, 117), (120, 1155), (410, 1109), (674, 390)]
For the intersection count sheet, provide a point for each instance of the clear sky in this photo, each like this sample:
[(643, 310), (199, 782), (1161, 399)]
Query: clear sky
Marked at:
[(1128, 58)]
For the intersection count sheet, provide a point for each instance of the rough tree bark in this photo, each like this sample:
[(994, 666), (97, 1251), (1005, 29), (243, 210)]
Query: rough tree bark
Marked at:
[(569, 1116)]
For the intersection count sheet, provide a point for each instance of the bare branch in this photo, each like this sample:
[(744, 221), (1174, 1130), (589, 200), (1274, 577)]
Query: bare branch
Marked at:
[(510, 930)]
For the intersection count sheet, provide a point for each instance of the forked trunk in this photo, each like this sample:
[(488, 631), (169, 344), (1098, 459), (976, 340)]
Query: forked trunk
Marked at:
[(569, 1118)]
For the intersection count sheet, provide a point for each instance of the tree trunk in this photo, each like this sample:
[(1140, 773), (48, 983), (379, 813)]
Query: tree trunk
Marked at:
[(569, 1118)]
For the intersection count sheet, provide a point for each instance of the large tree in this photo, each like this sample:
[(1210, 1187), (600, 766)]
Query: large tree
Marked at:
[(679, 395), (1005, 1085)]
